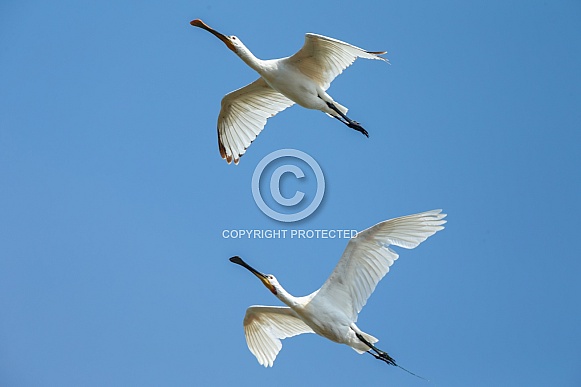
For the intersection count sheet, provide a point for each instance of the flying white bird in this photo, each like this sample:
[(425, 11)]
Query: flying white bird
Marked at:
[(332, 310), (302, 78)]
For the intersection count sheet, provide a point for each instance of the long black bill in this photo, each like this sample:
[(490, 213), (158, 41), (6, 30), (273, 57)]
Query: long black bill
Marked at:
[(237, 260), (262, 277)]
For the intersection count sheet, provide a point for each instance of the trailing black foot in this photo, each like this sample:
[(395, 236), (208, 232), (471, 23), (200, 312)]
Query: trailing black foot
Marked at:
[(384, 357), (348, 121), (379, 354), (355, 125)]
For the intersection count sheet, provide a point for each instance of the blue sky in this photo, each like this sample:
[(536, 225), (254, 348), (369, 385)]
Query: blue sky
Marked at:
[(113, 268)]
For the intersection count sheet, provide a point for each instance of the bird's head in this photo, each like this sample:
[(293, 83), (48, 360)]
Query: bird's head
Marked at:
[(267, 279), (232, 42)]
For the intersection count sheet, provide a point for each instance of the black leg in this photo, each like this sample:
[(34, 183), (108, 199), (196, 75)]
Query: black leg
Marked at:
[(380, 355), (383, 356), (349, 122)]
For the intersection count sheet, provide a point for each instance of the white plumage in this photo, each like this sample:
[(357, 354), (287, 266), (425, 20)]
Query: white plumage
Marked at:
[(302, 78), (332, 310), (266, 326)]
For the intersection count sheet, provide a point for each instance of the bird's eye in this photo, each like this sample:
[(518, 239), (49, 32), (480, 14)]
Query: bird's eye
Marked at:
[(233, 37), (270, 277)]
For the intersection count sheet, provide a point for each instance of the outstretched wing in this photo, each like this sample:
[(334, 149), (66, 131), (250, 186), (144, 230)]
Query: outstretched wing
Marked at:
[(265, 326), (322, 58), (367, 258), (243, 115)]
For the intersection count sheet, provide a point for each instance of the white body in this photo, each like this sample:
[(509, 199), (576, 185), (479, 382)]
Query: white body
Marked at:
[(332, 310), (302, 78)]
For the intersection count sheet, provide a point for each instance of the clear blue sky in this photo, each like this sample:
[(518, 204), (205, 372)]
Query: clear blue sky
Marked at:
[(113, 196)]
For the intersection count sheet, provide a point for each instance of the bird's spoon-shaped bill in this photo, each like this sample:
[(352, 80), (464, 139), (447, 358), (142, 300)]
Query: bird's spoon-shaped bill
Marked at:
[(199, 23), (236, 259)]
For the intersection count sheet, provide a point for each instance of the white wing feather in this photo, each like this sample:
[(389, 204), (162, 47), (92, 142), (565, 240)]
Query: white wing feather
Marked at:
[(322, 58), (265, 326), (367, 258), (243, 115)]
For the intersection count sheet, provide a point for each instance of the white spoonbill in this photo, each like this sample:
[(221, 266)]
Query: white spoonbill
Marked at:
[(301, 78), (332, 310)]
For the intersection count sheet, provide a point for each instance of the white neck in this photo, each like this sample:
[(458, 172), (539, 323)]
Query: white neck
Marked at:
[(286, 297), (249, 58)]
